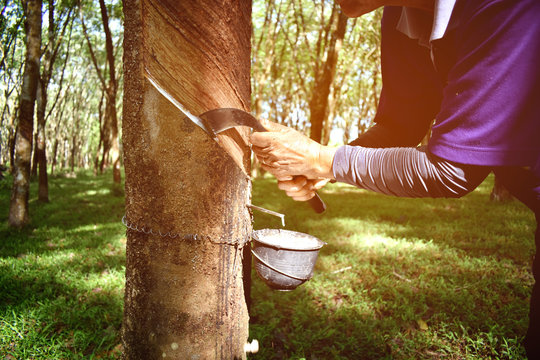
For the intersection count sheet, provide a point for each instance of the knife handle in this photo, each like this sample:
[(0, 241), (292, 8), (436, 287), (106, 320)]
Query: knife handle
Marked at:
[(317, 204)]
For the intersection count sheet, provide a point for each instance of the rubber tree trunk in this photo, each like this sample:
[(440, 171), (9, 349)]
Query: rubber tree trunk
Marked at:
[(54, 37), (111, 149), (11, 146), (185, 196), (18, 210), (54, 156)]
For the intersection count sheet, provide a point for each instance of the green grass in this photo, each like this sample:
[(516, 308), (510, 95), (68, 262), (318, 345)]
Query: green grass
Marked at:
[(398, 279), (62, 278)]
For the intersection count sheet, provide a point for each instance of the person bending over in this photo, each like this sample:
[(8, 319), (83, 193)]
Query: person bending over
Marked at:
[(469, 65)]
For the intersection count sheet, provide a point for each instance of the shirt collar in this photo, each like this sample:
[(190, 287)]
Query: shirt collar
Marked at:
[(441, 18), (423, 26)]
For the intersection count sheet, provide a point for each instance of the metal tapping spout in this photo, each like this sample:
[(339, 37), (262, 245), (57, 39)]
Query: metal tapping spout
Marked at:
[(270, 212)]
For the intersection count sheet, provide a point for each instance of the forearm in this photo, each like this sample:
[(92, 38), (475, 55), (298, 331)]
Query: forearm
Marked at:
[(405, 172)]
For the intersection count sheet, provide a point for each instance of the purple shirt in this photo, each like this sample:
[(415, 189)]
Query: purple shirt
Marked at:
[(483, 87), (489, 61)]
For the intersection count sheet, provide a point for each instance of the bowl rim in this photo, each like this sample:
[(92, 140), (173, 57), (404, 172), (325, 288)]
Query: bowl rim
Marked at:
[(258, 236)]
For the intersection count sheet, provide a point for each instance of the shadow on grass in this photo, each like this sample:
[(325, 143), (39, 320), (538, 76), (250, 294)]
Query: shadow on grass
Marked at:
[(77, 207), (58, 318), (292, 325)]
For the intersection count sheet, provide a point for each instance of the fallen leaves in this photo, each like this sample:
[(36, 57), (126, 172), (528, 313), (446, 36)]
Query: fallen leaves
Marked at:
[(422, 325)]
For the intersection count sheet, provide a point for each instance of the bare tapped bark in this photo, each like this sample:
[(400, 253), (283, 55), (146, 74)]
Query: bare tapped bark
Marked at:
[(18, 210), (184, 297)]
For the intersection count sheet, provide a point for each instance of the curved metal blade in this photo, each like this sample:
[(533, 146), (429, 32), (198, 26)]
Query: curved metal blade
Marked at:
[(219, 120)]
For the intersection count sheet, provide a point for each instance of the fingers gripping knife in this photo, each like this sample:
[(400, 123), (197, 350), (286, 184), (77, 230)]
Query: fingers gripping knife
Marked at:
[(215, 121), (219, 120)]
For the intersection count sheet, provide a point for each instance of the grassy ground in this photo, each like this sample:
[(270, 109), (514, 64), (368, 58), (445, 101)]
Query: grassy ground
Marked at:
[(61, 280), (399, 278)]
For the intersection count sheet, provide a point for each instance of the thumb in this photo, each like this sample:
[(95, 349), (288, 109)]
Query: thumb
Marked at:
[(320, 183), (272, 126), (260, 139)]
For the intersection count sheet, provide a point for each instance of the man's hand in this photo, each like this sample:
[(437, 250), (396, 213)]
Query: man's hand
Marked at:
[(285, 153)]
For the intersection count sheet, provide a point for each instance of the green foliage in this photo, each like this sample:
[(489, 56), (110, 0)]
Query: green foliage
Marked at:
[(287, 51), (11, 67), (73, 107), (10, 21)]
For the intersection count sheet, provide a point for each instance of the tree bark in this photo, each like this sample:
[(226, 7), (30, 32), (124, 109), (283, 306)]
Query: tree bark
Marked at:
[(76, 116), (11, 140), (58, 139), (97, 167), (318, 105), (40, 154), (18, 210), (33, 167), (11, 78), (109, 133), (54, 40), (54, 154), (185, 196)]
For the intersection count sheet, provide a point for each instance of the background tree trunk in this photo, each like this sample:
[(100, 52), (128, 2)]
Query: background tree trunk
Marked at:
[(55, 35), (184, 297), (18, 210), (109, 131), (54, 154), (110, 141), (11, 72), (318, 104), (34, 166), (39, 151), (11, 142)]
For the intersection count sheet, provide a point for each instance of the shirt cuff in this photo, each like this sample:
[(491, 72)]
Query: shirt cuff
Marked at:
[(341, 164)]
